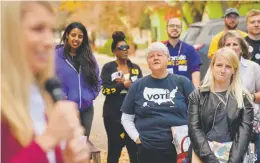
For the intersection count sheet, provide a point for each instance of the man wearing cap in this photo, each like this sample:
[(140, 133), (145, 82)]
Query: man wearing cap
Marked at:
[(152, 105), (231, 20), (184, 59)]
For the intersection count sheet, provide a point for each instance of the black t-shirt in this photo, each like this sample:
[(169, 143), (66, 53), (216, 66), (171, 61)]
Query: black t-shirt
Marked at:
[(74, 61), (254, 49), (220, 131)]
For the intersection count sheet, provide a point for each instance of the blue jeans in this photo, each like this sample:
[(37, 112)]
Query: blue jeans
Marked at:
[(257, 146)]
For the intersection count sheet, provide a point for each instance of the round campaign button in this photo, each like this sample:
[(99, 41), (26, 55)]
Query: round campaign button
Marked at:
[(257, 56), (250, 49)]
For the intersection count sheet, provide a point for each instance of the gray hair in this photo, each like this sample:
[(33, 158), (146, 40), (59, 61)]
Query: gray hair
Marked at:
[(157, 46)]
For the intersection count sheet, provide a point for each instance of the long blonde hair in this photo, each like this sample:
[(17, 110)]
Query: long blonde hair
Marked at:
[(17, 76), (235, 89)]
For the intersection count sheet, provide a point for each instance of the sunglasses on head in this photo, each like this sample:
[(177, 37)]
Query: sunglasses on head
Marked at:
[(123, 47)]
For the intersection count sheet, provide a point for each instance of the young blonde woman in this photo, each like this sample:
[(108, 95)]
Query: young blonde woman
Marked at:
[(221, 111), (250, 77), (27, 55)]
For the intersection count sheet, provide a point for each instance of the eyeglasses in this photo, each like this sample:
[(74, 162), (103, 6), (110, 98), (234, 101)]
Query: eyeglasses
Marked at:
[(123, 47), (174, 25)]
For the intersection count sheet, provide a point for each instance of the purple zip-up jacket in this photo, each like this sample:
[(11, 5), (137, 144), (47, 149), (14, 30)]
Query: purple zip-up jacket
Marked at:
[(73, 83)]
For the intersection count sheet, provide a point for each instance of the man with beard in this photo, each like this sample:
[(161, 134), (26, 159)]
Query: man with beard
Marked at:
[(253, 38), (231, 20), (184, 59)]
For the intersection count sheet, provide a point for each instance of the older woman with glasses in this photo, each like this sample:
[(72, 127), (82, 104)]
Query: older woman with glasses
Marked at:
[(117, 76)]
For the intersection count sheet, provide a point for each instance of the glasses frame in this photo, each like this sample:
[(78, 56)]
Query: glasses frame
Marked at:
[(123, 47)]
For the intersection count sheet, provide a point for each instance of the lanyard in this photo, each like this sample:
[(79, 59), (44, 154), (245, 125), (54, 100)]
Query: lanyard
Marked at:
[(179, 52), (178, 57)]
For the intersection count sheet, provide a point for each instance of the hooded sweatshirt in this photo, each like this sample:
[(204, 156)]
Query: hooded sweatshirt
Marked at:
[(74, 84)]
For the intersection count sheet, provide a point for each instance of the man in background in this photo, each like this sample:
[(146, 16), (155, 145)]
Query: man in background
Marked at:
[(253, 38), (184, 59), (231, 20)]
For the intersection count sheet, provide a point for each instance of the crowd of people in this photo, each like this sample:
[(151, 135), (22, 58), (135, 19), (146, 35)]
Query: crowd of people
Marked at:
[(138, 112)]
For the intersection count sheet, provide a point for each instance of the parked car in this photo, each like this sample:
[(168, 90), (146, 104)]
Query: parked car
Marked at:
[(200, 34)]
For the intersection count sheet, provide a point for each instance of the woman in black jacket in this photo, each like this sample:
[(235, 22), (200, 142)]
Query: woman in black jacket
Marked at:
[(221, 111), (117, 76)]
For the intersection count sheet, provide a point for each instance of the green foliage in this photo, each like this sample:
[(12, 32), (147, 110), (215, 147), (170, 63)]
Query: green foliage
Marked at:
[(145, 22), (142, 46), (214, 9), (192, 11), (106, 49)]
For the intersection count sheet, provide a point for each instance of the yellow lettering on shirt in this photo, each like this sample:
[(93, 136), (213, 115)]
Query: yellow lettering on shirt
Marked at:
[(135, 71), (113, 90), (182, 62), (108, 91), (170, 63), (122, 135)]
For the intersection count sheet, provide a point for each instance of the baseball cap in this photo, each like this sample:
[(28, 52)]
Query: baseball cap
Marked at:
[(231, 10)]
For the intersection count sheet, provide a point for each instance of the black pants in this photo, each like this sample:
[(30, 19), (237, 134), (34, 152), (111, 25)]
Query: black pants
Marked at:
[(117, 139), (86, 118), (145, 155)]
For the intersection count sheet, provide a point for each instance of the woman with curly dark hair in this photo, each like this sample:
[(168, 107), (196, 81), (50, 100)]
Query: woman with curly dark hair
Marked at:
[(78, 71), (117, 76)]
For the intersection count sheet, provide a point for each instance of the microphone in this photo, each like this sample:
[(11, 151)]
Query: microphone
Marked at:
[(53, 86)]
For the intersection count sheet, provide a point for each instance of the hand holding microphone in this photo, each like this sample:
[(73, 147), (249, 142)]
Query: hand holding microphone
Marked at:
[(63, 124), (66, 109), (60, 125)]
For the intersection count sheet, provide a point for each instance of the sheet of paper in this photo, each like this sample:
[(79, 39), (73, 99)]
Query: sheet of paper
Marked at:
[(117, 74), (170, 70), (221, 150), (178, 133), (134, 78)]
